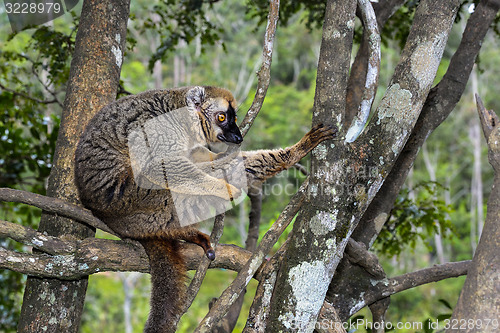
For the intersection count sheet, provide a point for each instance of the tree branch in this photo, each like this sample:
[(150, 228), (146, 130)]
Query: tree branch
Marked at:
[(54, 205), (371, 37), (93, 255), (201, 271), (26, 96), (264, 73), (439, 104), (259, 311), (329, 321), (71, 259), (30, 237), (383, 10), (358, 254), (385, 288), (478, 299), (228, 323)]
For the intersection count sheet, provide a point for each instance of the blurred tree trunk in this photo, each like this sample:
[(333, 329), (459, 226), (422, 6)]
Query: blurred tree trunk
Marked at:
[(431, 167), (477, 181), (52, 305), (129, 282)]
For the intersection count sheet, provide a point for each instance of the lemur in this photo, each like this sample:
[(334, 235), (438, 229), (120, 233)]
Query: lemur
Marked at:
[(129, 169)]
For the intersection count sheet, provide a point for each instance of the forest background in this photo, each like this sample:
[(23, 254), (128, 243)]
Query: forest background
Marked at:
[(448, 182)]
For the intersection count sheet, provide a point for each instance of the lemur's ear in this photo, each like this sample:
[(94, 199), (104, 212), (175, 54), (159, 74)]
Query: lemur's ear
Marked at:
[(195, 97)]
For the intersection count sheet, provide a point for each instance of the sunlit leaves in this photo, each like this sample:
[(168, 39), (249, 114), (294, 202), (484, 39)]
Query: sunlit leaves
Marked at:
[(414, 218)]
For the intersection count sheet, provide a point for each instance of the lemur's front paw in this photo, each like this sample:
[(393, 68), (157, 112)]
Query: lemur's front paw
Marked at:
[(320, 133)]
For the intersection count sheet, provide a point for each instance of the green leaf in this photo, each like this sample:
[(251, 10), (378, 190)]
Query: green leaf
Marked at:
[(445, 303)]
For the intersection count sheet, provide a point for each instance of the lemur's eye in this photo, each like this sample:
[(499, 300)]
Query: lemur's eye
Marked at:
[(221, 117), (235, 119)]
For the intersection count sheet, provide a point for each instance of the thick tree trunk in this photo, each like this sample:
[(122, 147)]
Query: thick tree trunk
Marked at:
[(439, 104), (52, 305), (303, 278), (346, 177), (478, 308)]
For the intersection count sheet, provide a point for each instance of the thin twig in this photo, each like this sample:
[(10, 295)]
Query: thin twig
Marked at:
[(23, 95), (265, 70), (46, 87), (406, 281), (301, 168), (201, 271)]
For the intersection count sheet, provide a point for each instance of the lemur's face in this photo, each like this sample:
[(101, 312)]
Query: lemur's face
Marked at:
[(217, 114), (224, 122)]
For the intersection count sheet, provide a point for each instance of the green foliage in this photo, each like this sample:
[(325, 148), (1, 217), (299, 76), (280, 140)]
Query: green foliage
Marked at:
[(432, 324), (179, 20), (33, 71), (398, 26), (104, 302), (26, 143), (54, 53), (414, 219), (35, 68), (9, 300), (313, 11)]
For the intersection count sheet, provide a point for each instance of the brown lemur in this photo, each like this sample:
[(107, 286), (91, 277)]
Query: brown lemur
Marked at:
[(125, 179)]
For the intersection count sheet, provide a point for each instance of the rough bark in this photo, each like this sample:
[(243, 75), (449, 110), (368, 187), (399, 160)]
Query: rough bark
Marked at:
[(345, 178), (302, 280), (52, 305), (71, 259), (439, 104), (383, 11), (259, 311), (225, 301), (228, 323), (478, 306)]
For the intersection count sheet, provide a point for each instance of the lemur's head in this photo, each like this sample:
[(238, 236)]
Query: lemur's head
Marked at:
[(217, 111)]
